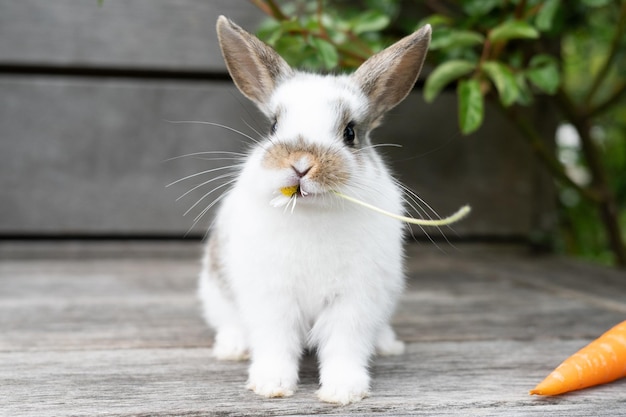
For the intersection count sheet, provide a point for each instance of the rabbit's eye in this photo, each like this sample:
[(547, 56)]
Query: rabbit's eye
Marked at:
[(348, 134), (273, 127)]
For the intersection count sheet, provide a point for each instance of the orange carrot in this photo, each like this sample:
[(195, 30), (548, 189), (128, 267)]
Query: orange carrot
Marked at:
[(601, 361)]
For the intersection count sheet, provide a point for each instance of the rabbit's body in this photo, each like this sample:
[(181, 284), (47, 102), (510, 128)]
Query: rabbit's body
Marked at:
[(310, 260), (287, 272)]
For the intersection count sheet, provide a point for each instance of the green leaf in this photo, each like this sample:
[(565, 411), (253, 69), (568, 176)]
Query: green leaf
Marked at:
[(434, 20), (543, 73), (312, 25), (596, 3), (387, 7), (292, 49), (443, 75), (326, 51), (331, 21), (545, 16), (338, 37), (292, 24), (369, 21), (270, 31), (443, 39), (512, 29), (471, 106), (525, 96), (504, 80), (479, 7)]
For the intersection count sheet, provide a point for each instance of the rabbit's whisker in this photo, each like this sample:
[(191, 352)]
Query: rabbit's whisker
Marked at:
[(237, 154), (411, 200), (413, 195), (251, 128), (240, 160), (418, 201), (216, 125), (230, 174), (379, 145), (197, 219), (208, 194), (424, 231), (208, 171)]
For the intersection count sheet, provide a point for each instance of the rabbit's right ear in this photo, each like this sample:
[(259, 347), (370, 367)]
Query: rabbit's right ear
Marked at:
[(255, 67), (387, 77)]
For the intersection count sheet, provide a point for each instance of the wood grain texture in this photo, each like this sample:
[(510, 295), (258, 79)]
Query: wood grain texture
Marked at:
[(175, 35), (96, 155), (93, 155), (114, 329)]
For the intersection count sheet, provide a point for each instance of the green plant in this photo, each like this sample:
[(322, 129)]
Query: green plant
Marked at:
[(572, 54)]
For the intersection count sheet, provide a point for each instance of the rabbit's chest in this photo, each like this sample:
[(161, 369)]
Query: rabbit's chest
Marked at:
[(313, 256)]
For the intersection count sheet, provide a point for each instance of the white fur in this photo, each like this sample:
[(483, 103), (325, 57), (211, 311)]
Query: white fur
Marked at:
[(321, 274), (325, 276)]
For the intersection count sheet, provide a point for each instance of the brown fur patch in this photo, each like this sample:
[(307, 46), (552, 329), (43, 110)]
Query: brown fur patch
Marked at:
[(328, 168), (387, 77), (215, 264), (254, 66)]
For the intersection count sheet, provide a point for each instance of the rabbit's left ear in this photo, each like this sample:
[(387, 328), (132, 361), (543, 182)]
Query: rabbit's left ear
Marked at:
[(255, 67), (387, 77)]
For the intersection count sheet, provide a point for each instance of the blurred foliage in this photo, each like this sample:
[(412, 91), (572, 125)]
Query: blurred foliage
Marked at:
[(571, 53), (594, 31)]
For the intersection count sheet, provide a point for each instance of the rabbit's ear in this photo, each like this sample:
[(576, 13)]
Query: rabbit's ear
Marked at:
[(388, 77), (255, 67)]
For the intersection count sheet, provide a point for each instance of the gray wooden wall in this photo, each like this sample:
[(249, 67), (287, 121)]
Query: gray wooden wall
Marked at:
[(87, 93)]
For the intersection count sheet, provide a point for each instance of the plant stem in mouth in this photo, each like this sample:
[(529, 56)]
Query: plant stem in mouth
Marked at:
[(460, 213)]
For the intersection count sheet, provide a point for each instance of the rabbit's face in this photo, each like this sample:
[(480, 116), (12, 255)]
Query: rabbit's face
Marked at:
[(318, 129), (318, 141)]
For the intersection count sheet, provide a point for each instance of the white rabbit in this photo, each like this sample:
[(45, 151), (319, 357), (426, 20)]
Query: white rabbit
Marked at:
[(318, 273)]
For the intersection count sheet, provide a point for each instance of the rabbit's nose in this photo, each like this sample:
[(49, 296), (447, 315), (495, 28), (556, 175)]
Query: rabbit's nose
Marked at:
[(301, 172), (302, 166)]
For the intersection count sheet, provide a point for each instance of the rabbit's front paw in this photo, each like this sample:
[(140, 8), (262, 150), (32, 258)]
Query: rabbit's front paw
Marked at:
[(272, 382), (271, 388), (230, 345), (344, 389), (391, 348), (230, 353), (388, 344), (342, 395)]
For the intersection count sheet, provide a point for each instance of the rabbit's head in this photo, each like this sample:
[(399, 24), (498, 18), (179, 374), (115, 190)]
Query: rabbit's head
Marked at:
[(319, 136)]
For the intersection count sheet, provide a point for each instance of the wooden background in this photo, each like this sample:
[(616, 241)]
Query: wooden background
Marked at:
[(86, 93)]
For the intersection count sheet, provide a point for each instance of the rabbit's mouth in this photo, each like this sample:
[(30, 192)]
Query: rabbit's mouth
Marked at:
[(291, 191), (294, 191), (288, 196)]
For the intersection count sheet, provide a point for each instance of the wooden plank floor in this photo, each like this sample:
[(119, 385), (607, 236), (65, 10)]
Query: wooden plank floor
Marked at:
[(114, 329)]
